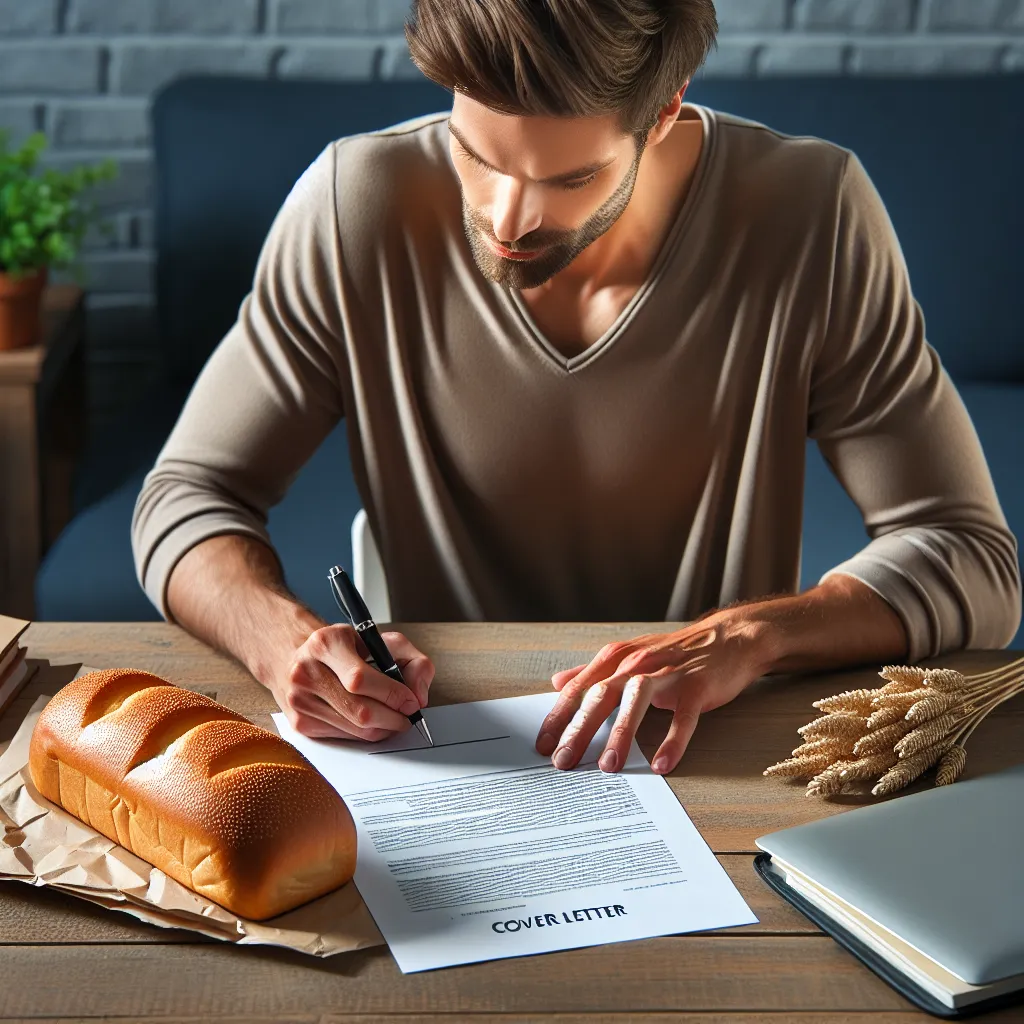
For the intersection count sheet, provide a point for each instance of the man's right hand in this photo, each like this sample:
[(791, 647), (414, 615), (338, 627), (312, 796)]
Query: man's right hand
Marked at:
[(329, 690), (228, 591)]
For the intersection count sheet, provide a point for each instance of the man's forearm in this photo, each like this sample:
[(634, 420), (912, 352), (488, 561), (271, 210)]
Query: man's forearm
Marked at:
[(841, 622), (229, 592)]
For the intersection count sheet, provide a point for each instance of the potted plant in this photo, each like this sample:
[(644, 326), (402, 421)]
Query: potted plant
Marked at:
[(43, 217)]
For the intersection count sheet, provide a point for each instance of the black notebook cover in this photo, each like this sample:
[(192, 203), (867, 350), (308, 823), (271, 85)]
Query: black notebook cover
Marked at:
[(885, 970)]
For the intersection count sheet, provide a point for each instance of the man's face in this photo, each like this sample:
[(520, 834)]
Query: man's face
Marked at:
[(541, 187)]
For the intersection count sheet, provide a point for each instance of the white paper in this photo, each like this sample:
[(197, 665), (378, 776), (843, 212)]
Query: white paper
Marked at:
[(478, 848)]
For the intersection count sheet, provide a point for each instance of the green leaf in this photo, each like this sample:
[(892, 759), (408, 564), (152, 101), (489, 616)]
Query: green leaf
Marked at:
[(44, 212)]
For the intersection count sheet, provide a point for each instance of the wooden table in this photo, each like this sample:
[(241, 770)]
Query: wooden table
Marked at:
[(64, 959), (42, 423)]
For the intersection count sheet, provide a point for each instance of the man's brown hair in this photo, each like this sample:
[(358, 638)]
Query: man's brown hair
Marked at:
[(564, 58)]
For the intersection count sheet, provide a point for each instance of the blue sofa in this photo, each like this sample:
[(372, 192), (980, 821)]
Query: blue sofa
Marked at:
[(947, 156)]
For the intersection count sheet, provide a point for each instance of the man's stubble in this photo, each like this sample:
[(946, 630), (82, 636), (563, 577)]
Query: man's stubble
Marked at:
[(560, 248)]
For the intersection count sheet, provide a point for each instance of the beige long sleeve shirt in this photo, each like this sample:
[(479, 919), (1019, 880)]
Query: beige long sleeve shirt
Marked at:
[(654, 476)]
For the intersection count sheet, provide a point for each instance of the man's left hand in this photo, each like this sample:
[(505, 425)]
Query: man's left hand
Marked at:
[(694, 669)]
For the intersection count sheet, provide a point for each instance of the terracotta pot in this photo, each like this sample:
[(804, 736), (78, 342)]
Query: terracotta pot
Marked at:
[(20, 301)]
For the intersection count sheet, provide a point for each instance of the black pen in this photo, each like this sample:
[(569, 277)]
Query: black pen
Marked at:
[(353, 607)]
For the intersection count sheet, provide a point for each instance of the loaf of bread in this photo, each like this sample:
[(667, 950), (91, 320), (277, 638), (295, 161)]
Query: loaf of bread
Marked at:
[(228, 809)]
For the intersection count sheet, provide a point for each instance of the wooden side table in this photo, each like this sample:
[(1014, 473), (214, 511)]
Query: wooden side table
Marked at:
[(42, 427)]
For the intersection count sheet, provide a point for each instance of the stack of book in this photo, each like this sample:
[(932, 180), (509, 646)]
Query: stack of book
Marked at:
[(927, 890), (14, 668)]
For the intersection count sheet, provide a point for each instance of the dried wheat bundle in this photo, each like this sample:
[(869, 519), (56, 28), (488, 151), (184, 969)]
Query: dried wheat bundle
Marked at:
[(919, 719)]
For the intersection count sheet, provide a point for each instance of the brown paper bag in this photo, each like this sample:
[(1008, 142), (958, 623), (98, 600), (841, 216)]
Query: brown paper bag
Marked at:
[(44, 845)]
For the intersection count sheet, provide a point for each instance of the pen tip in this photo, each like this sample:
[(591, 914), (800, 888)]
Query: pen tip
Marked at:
[(425, 730)]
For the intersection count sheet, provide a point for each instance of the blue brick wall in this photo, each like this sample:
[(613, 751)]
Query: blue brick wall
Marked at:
[(83, 71)]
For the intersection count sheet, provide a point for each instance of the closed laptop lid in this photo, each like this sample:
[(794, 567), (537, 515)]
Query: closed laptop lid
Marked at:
[(943, 869)]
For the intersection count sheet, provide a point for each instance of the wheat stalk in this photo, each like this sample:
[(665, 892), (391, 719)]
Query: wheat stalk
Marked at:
[(904, 698), (930, 707), (884, 716), (857, 701), (947, 679), (902, 677), (801, 767), (892, 735), (925, 735), (951, 765), (881, 739), (909, 768), (830, 781), (837, 746), (839, 723), (870, 767)]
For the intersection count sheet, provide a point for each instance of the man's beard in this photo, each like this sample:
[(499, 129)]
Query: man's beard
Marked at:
[(559, 248)]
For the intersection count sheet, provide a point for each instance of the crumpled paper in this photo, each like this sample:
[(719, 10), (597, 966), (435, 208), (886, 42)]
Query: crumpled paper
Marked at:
[(44, 845)]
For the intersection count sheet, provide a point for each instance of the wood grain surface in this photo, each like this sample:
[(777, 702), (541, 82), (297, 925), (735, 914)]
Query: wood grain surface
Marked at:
[(66, 960)]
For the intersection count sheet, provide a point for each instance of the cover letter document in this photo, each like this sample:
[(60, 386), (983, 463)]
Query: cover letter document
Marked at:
[(477, 848)]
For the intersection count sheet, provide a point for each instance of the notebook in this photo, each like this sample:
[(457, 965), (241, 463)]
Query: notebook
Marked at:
[(926, 889)]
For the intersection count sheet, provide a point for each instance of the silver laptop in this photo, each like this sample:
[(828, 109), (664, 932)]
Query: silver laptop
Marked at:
[(933, 882)]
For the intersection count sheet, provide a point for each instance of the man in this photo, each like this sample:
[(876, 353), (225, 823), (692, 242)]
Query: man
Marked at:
[(579, 332)]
